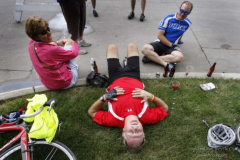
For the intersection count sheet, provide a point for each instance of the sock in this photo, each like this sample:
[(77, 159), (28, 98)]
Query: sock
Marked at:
[(165, 64)]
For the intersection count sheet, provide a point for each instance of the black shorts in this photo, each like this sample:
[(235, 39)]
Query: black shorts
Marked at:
[(131, 70), (160, 48)]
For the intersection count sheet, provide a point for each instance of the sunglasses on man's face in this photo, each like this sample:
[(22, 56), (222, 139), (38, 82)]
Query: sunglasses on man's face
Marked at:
[(44, 32), (184, 12)]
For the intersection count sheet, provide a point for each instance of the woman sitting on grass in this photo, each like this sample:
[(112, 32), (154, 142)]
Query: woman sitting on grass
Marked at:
[(56, 66)]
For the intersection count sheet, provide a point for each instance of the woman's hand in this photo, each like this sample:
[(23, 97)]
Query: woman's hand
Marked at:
[(69, 42), (140, 93), (61, 43)]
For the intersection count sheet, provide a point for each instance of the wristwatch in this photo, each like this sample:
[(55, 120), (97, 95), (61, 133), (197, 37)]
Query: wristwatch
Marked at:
[(102, 99)]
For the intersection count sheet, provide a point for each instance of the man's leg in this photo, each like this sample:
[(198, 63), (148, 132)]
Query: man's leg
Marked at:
[(148, 51), (112, 51), (132, 50), (132, 69), (133, 3), (95, 14), (175, 57), (131, 15), (114, 67), (93, 4), (143, 4), (71, 12)]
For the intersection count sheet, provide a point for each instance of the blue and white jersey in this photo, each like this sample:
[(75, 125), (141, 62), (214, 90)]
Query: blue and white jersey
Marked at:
[(173, 27)]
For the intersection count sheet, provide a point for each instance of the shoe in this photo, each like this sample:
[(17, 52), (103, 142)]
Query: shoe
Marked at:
[(83, 43), (145, 59), (180, 42), (131, 15), (82, 52), (95, 14), (142, 17)]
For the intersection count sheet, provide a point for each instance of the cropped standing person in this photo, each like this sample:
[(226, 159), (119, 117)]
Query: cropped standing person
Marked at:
[(95, 13), (133, 3), (170, 30), (55, 66), (127, 100), (74, 12)]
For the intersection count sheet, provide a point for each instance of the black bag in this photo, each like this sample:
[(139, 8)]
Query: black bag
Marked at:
[(97, 80)]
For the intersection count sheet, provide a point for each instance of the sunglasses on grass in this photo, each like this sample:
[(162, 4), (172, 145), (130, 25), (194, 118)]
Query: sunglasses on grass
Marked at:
[(44, 32), (184, 12)]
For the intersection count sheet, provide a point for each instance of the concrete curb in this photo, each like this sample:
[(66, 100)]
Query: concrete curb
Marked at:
[(82, 82)]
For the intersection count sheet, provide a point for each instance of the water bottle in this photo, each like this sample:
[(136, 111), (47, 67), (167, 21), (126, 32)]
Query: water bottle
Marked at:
[(92, 64)]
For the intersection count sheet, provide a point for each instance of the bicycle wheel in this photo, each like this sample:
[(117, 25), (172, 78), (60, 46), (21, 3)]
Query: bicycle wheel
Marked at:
[(41, 150)]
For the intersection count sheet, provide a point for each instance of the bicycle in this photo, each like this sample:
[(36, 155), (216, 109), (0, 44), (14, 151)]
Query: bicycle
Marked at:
[(30, 149)]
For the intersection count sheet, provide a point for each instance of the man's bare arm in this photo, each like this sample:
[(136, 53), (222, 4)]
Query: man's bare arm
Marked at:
[(163, 39), (108, 96), (96, 106)]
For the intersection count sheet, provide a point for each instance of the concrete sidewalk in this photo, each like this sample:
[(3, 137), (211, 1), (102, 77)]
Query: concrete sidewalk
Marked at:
[(213, 37)]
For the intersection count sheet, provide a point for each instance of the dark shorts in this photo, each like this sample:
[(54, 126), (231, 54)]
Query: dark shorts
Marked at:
[(74, 12), (131, 70), (160, 48)]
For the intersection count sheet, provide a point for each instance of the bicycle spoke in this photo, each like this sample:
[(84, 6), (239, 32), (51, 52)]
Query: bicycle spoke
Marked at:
[(54, 150)]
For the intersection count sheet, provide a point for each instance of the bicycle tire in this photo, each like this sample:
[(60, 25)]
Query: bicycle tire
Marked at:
[(42, 150)]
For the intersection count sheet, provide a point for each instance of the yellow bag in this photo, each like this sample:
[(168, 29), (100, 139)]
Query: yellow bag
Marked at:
[(45, 124)]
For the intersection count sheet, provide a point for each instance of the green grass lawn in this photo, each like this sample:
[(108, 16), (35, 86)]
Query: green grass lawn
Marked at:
[(181, 136)]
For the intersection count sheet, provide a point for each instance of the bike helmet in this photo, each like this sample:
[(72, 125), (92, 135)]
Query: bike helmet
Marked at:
[(11, 118), (220, 136), (238, 135)]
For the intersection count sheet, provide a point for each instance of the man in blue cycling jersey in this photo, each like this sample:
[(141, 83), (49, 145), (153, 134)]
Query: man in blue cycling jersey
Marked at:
[(170, 30)]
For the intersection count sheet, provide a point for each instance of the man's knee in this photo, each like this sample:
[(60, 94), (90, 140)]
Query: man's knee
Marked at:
[(112, 51), (132, 46), (181, 58), (132, 50), (112, 47), (146, 48), (178, 57)]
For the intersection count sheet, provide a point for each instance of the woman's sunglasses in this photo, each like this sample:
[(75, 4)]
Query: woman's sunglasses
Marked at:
[(44, 32), (184, 12)]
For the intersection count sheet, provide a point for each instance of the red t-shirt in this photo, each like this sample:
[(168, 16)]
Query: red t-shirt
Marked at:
[(128, 105)]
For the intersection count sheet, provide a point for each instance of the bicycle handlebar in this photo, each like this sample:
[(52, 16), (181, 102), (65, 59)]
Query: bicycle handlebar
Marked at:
[(49, 103)]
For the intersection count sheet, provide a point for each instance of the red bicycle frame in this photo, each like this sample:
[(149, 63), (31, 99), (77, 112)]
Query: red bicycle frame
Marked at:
[(23, 136)]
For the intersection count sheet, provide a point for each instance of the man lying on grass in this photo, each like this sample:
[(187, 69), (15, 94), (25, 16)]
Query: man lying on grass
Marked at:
[(130, 110)]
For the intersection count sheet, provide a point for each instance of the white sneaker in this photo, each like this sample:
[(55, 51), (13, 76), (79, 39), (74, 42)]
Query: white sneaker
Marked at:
[(83, 43), (82, 51)]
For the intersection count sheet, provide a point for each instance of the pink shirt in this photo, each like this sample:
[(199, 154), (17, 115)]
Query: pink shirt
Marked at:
[(54, 56), (128, 105)]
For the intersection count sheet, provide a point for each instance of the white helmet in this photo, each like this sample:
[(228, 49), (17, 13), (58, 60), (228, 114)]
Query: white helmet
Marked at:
[(238, 135), (220, 136)]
